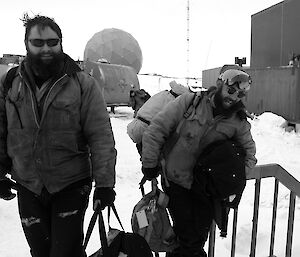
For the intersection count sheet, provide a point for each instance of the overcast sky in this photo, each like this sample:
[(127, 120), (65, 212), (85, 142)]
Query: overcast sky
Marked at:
[(219, 29)]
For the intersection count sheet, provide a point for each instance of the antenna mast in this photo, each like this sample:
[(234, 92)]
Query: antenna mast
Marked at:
[(188, 42)]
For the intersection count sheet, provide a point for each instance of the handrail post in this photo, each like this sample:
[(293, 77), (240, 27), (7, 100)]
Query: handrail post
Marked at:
[(212, 240), (233, 240), (273, 227), (255, 217), (289, 240)]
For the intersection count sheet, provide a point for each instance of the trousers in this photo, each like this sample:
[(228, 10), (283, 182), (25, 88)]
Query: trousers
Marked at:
[(192, 216), (53, 223)]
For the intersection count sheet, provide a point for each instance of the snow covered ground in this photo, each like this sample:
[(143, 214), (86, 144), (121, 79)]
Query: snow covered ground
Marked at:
[(274, 145)]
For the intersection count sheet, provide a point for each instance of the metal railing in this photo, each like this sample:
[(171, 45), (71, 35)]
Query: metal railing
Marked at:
[(281, 176)]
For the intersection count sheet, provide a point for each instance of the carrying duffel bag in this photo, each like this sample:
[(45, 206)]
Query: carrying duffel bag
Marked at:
[(151, 220), (117, 242)]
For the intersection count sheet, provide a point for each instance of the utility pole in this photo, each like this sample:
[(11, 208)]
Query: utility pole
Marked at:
[(188, 42)]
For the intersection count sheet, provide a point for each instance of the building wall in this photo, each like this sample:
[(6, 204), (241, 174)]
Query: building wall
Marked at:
[(275, 90), (274, 35), (210, 76)]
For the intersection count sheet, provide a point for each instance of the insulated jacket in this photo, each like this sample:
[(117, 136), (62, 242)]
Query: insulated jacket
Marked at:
[(196, 132), (66, 140)]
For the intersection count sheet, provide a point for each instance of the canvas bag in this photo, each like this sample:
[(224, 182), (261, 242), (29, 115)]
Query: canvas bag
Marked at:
[(117, 243), (158, 230)]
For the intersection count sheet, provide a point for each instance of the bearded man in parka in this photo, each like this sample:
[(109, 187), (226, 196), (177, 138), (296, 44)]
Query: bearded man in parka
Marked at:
[(219, 115), (55, 138)]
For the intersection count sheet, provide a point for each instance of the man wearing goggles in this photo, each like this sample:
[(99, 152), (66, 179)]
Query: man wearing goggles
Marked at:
[(219, 114), (232, 86)]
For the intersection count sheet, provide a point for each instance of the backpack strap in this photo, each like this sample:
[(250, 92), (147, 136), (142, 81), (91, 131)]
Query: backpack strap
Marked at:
[(189, 111), (193, 104), (78, 81), (7, 83)]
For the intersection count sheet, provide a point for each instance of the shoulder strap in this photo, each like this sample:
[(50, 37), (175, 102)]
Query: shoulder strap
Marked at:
[(190, 109), (7, 83), (193, 104), (78, 81), (175, 135)]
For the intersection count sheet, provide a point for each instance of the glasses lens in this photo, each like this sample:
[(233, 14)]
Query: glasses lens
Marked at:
[(52, 41), (37, 42), (41, 42), (231, 90)]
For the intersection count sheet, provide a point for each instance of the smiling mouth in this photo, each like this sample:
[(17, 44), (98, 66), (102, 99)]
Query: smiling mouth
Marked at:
[(47, 56), (228, 102)]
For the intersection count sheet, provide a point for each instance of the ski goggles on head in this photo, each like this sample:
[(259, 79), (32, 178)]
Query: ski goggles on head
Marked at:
[(41, 42)]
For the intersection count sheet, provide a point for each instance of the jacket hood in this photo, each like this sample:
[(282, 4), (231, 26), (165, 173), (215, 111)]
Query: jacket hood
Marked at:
[(70, 66)]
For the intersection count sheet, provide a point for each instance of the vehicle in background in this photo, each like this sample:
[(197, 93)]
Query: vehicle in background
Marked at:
[(116, 81)]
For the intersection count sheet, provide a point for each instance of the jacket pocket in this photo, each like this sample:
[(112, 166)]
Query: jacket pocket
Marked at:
[(66, 113)]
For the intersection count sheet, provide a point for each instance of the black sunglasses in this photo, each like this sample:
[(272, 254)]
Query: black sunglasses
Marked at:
[(231, 90), (41, 42)]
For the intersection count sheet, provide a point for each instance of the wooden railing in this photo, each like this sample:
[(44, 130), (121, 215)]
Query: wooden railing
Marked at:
[(281, 176)]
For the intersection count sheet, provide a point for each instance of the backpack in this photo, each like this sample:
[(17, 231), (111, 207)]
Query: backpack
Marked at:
[(137, 98), (7, 83), (150, 219), (220, 174)]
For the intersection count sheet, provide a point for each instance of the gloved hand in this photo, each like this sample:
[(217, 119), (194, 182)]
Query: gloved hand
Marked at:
[(150, 173), (5, 189), (103, 196)]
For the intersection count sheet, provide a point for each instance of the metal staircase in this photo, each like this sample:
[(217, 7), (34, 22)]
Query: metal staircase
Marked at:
[(281, 177)]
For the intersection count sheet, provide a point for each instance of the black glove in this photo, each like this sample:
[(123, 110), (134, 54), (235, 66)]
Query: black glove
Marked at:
[(5, 189), (150, 173), (105, 196)]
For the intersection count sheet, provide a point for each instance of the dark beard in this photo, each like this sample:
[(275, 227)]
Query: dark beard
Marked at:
[(45, 70), (218, 100)]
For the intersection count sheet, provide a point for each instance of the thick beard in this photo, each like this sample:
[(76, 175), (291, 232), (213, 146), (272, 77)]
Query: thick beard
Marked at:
[(45, 70), (218, 100)]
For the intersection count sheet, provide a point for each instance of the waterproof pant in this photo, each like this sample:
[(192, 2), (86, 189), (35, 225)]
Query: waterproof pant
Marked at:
[(192, 217), (53, 223)]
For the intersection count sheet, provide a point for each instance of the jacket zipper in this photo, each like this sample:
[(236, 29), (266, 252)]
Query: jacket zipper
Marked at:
[(32, 101), (47, 96)]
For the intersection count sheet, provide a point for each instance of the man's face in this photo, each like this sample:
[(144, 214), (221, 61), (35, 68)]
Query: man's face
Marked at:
[(44, 52), (230, 95), (41, 50)]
